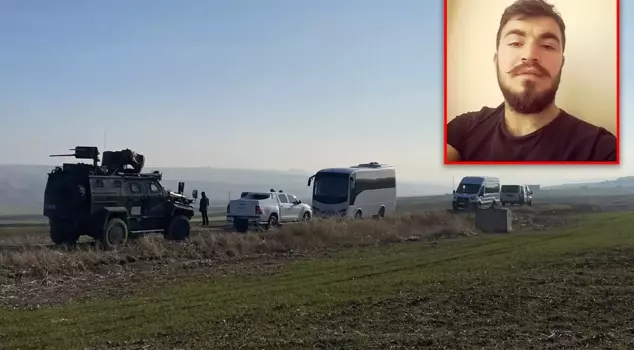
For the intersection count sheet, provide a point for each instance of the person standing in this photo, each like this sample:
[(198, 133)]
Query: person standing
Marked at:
[(204, 205)]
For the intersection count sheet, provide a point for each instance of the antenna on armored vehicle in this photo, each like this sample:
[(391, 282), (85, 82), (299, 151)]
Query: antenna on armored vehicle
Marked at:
[(82, 152)]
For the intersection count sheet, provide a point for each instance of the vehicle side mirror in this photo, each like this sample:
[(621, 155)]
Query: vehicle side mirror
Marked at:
[(181, 187), (454, 191), (195, 194)]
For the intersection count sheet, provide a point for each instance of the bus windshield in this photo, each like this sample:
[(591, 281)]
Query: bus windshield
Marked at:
[(468, 188), (331, 188)]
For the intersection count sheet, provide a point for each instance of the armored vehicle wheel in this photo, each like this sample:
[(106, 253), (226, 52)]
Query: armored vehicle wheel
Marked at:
[(57, 236), (61, 235), (115, 234), (178, 229)]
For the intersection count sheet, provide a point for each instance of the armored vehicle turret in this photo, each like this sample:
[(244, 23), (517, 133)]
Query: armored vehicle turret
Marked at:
[(112, 201)]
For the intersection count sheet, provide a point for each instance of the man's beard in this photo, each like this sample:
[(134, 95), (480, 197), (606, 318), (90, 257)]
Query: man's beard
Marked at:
[(529, 101)]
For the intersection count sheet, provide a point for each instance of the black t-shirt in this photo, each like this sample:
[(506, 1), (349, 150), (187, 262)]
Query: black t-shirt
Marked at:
[(482, 136)]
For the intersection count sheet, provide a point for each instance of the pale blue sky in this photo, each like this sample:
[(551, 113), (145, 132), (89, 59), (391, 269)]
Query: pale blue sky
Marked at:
[(275, 84)]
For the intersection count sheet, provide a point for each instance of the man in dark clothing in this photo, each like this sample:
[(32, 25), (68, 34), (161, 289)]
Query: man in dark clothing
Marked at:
[(528, 126), (204, 205), (483, 136)]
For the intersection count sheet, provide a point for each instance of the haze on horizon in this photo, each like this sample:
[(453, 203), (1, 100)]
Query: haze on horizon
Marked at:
[(277, 85)]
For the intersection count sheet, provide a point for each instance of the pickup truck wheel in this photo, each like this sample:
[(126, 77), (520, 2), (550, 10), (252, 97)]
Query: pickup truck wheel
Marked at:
[(115, 234), (241, 226), (358, 215), (306, 216), (178, 229), (273, 222)]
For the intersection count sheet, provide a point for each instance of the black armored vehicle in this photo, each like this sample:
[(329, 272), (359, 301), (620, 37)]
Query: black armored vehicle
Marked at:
[(113, 201)]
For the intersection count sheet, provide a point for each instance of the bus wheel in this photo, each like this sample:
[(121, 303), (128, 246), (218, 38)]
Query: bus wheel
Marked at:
[(382, 213), (358, 215)]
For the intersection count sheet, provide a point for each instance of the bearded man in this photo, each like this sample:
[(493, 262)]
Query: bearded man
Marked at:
[(528, 126)]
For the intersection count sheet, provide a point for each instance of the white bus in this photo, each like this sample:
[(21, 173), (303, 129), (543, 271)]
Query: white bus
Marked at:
[(360, 191)]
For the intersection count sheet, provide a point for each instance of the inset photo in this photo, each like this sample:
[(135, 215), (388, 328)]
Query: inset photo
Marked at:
[(531, 82)]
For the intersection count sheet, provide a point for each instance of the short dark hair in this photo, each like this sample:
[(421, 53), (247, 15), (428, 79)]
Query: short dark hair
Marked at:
[(531, 8)]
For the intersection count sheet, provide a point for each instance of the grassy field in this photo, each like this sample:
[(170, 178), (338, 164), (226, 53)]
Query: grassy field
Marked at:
[(568, 287)]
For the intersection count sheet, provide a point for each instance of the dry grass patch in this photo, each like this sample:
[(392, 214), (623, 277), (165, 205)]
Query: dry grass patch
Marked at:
[(317, 234)]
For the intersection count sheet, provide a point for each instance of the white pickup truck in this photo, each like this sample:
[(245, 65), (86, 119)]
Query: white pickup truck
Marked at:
[(263, 210)]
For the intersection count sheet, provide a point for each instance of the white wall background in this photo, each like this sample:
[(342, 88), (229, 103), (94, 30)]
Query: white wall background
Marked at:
[(588, 83)]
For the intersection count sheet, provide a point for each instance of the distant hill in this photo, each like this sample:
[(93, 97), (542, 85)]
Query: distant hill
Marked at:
[(619, 186), (621, 182), (22, 186)]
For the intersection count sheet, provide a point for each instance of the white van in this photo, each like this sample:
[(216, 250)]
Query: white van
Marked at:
[(476, 192), (516, 194)]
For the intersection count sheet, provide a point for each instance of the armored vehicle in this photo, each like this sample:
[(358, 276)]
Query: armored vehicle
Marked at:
[(112, 201)]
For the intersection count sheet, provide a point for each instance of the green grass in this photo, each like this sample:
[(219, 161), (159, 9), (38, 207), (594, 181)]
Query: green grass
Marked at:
[(564, 288)]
